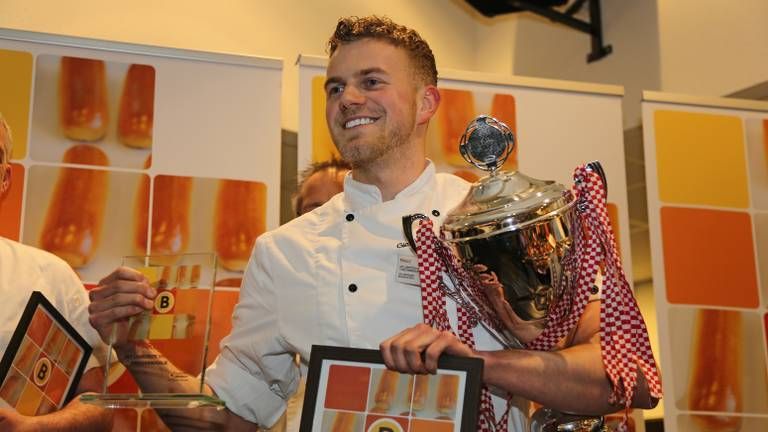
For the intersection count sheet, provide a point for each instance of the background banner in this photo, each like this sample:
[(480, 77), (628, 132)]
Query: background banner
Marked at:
[(124, 149), (707, 179)]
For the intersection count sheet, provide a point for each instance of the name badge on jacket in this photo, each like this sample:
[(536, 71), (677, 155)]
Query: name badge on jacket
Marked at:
[(407, 270)]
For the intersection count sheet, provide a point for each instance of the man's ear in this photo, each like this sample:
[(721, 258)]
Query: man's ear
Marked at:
[(5, 184), (430, 101)]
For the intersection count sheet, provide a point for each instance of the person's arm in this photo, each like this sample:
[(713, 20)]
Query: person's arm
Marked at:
[(73, 417), (121, 295), (571, 379), (254, 373)]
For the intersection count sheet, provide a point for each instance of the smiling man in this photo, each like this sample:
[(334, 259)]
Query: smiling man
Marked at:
[(333, 276)]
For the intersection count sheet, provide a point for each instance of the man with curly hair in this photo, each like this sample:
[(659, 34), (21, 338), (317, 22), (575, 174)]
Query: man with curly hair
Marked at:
[(332, 276)]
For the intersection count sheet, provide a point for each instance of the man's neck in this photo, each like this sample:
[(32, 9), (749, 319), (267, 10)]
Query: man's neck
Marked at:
[(391, 178)]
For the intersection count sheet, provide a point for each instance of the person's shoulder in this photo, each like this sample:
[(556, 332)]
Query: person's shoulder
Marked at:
[(308, 225), (451, 182), (31, 258)]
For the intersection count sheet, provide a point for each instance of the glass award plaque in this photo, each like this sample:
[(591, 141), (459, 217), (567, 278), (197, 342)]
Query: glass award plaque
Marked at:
[(166, 348)]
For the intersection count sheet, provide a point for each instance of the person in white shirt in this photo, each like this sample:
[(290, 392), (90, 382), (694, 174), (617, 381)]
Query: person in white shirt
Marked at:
[(24, 269), (334, 276)]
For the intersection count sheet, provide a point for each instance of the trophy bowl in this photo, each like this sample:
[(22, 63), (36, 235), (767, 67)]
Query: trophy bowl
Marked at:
[(513, 232)]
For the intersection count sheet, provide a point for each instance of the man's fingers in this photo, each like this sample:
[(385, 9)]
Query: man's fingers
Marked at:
[(118, 300), (122, 273), (386, 348), (403, 351), (434, 350), (101, 320), (121, 286)]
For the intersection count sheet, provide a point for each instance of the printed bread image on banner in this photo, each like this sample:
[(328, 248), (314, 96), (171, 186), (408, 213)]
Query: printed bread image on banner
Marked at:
[(83, 215), (107, 104), (200, 214)]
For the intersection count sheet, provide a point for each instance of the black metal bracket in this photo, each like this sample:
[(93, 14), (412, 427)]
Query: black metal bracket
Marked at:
[(545, 8), (594, 27)]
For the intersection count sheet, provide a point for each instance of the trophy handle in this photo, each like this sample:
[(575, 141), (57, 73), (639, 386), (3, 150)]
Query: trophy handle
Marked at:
[(408, 221), (597, 167)]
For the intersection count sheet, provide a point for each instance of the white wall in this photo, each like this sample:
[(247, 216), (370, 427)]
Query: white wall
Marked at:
[(496, 44), (546, 49), (713, 47), (273, 28)]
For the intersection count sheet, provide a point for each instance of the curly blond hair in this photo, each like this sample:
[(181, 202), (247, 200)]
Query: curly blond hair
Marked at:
[(351, 29)]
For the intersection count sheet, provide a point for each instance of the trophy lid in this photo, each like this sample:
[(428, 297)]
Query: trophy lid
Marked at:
[(501, 201)]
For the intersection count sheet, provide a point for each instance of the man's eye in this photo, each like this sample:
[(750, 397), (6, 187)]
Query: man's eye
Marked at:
[(372, 82), (334, 90)]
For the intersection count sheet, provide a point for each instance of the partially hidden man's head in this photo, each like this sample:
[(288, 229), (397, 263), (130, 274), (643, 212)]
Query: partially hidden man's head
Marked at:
[(6, 142), (318, 183), (352, 29)]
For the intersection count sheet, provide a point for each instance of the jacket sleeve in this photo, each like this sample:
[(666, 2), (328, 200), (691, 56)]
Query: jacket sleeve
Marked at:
[(255, 372)]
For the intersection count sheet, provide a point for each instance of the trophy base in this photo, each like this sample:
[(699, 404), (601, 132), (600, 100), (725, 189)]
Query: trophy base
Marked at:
[(153, 400)]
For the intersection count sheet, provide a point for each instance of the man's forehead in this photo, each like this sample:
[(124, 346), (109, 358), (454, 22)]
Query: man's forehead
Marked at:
[(364, 54)]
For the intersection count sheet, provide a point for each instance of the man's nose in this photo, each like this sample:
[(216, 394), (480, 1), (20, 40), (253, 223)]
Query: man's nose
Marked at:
[(351, 96)]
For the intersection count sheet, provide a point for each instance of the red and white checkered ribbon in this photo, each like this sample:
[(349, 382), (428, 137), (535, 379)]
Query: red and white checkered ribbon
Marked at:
[(624, 338), (431, 269)]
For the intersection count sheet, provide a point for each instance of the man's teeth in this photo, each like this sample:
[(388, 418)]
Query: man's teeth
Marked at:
[(358, 122)]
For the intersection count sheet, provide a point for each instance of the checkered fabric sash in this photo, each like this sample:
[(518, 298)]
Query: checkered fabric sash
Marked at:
[(433, 261), (624, 338)]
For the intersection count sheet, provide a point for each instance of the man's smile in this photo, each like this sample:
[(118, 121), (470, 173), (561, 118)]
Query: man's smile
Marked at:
[(359, 121)]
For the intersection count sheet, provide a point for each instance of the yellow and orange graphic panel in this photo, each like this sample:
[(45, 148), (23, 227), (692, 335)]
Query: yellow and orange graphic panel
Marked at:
[(15, 90), (709, 223), (709, 257), (700, 159)]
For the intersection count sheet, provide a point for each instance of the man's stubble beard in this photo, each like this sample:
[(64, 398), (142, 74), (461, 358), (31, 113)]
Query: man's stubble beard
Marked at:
[(366, 154)]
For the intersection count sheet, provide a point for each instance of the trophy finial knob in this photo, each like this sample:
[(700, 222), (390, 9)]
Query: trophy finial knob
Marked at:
[(487, 143)]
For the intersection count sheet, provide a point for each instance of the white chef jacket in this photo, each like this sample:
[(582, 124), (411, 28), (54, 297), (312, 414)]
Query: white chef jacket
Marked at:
[(24, 269), (329, 278)]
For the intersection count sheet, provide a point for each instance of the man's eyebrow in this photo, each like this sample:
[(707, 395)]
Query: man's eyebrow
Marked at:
[(332, 80), (372, 70), (338, 80)]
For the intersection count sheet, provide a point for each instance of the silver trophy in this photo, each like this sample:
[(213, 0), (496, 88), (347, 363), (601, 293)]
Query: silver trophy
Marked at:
[(512, 233)]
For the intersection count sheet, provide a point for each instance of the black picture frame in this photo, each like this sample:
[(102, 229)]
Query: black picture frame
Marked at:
[(468, 372), (38, 301)]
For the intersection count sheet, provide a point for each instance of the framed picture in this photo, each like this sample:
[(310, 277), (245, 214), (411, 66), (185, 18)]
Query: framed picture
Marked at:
[(351, 390), (44, 361)]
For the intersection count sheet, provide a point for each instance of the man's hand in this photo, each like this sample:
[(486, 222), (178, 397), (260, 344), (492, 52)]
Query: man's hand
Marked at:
[(416, 350), (11, 421), (119, 296)]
